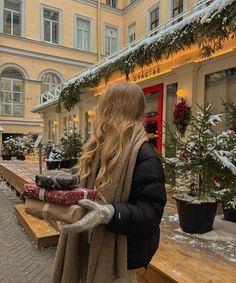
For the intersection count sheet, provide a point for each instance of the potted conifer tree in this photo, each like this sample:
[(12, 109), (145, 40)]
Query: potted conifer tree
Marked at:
[(53, 154), (225, 181), (195, 167), (9, 149), (72, 146)]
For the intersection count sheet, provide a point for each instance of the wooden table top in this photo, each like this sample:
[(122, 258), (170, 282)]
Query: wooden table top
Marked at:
[(186, 258)]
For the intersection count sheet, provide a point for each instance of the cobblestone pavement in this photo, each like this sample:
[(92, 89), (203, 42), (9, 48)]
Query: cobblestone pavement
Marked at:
[(20, 261)]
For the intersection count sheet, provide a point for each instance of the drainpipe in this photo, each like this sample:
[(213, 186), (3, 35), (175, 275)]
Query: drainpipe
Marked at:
[(99, 30)]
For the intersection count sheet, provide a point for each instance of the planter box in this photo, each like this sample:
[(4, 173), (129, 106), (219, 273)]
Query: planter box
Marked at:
[(53, 165), (20, 157), (196, 218), (69, 163), (6, 157), (230, 214)]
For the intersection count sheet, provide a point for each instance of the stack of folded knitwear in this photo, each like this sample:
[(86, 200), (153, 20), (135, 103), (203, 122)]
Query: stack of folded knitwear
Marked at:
[(56, 198)]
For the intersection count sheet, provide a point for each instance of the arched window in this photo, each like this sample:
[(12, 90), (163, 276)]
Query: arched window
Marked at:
[(49, 81), (11, 92)]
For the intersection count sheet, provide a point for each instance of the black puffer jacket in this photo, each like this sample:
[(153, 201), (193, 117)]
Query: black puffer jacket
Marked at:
[(139, 219)]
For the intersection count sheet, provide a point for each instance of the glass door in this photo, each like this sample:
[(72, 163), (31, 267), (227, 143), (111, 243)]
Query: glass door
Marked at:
[(153, 115)]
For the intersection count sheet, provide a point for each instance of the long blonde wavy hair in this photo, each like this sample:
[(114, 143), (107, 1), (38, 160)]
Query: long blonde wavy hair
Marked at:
[(119, 106)]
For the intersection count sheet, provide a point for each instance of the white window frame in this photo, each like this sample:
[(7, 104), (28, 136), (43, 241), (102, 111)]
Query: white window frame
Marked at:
[(128, 31), (59, 24), (150, 10), (90, 20), (171, 8), (12, 103), (107, 25), (51, 85), (110, 5), (22, 26)]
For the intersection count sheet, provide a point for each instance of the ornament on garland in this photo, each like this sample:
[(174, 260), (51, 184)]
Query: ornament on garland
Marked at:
[(182, 116)]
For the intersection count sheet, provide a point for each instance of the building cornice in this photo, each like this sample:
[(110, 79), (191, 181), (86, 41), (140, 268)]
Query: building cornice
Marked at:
[(20, 123), (40, 56), (104, 7), (131, 6), (110, 9), (50, 45), (44, 106)]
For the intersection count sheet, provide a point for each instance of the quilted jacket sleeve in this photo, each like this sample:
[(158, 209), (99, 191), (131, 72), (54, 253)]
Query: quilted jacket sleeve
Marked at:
[(147, 198)]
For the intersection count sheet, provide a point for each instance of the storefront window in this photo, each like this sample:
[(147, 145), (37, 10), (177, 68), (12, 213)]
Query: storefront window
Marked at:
[(87, 125), (151, 117), (171, 99), (153, 114), (70, 124), (49, 130), (220, 86), (64, 125)]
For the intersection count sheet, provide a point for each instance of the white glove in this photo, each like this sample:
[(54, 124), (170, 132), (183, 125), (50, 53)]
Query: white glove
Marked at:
[(97, 214)]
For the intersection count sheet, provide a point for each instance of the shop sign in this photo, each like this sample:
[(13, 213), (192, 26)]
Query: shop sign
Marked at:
[(146, 73)]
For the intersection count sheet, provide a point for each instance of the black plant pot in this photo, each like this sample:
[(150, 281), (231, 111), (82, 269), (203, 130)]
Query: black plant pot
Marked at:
[(73, 162), (68, 163), (65, 163), (6, 157), (230, 214), (20, 157), (54, 164), (196, 218)]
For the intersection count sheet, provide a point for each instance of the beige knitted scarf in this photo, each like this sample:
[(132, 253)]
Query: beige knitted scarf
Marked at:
[(105, 259)]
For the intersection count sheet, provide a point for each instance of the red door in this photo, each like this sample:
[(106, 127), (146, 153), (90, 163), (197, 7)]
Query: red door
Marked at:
[(154, 112)]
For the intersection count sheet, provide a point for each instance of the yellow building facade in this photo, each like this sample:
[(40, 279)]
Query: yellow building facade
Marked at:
[(114, 24)]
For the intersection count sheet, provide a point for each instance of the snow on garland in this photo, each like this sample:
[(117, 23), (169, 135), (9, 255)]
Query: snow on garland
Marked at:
[(208, 28)]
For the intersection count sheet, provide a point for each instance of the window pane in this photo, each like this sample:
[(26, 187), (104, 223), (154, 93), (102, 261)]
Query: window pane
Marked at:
[(83, 24), (80, 39), (107, 45), (14, 5), (55, 79), (154, 18), (5, 84), (177, 7), (5, 96), (11, 73), (17, 86), (6, 109), (18, 110), (108, 31), (16, 24), (86, 40), (17, 97), (221, 85), (54, 32), (65, 124), (44, 87), (50, 78), (7, 22), (83, 34), (51, 15), (46, 30), (113, 45)]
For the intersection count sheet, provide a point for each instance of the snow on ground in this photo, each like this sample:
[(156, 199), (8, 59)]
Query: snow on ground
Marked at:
[(221, 241)]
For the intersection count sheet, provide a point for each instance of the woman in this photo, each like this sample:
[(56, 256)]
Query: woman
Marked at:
[(120, 232)]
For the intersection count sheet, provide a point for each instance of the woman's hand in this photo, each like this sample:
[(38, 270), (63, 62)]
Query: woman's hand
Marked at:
[(97, 214)]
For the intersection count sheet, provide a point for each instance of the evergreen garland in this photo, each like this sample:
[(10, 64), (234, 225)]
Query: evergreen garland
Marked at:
[(209, 36)]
